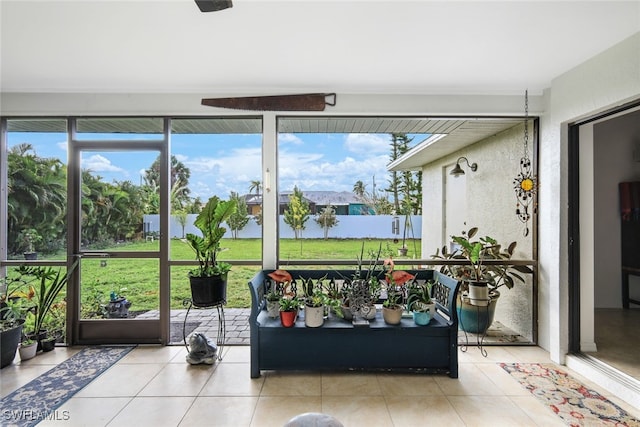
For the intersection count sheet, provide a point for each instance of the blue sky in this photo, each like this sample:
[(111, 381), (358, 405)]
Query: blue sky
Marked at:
[(223, 163)]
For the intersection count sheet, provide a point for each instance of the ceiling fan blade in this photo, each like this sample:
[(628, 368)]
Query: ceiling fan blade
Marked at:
[(213, 5), (303, 102)]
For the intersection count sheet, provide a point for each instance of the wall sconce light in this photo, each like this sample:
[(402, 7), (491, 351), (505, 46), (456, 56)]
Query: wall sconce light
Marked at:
[(457, 171), (213, 5)]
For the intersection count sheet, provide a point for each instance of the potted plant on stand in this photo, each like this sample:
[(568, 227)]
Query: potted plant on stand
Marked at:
[(209, 281), (491, 275)]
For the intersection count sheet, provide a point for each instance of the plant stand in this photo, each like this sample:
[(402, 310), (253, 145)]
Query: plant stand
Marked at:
[(479, 337), (222, 329)]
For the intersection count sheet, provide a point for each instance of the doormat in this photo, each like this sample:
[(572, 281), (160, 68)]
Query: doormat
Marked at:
[(568, 398), (39, 399), (176, 336)]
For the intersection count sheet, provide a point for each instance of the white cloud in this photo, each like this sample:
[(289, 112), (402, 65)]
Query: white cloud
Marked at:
[(289, 138), (98, 163), (366, 143)]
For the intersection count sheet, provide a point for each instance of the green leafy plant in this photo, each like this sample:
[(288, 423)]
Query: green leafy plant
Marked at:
[(49, 284), (475, 253), (290, 303), (28, 238), (419, 296), (207, 246)]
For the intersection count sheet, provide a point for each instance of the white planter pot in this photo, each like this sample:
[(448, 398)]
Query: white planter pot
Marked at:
[(273, 309), (313, 316), (479, 293), (28, 352)]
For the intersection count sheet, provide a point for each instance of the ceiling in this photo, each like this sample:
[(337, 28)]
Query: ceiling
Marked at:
[(299, 46)]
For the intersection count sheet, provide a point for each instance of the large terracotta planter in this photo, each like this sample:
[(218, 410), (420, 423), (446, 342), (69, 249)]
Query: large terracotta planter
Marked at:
[(208, 291)]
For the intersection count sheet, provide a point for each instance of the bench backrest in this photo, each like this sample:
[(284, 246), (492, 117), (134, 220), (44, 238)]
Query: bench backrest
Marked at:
[(443, 292)]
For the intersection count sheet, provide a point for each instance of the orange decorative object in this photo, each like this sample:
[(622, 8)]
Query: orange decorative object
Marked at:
[(400, 277), (281, 276)]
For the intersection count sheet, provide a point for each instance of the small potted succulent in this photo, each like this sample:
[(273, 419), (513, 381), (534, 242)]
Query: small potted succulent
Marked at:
[(419, 302)]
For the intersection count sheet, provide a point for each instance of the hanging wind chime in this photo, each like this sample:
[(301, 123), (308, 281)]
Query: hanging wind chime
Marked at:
[(524, 182)]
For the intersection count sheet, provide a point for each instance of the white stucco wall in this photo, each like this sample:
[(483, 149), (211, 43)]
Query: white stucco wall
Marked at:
[(491, 203), (602, 82)]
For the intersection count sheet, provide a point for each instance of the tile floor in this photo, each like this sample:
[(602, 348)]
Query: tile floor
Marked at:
[(154, 386)]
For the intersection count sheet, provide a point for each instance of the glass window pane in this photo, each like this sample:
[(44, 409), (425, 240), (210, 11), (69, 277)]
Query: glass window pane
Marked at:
[(115, 198), (37, 188), (335, 193)]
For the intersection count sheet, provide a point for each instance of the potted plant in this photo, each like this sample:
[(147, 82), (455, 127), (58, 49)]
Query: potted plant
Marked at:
[(14, 305), (419, 302), (475, 253), (280, 279), (47, 287), (27, 239), (314, 308), (28, 349), (289, 306), (393, 307), (209, 281)]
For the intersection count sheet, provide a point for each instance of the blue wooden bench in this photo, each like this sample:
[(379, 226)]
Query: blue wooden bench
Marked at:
[(338, 345)]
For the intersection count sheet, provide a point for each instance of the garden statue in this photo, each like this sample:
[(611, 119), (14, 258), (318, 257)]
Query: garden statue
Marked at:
[(201, 350)]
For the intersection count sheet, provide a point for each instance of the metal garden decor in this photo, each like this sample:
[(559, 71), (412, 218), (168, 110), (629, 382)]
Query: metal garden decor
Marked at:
[(525, 181)]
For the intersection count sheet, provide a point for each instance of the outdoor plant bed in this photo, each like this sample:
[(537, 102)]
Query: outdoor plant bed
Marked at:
[(428, 349)]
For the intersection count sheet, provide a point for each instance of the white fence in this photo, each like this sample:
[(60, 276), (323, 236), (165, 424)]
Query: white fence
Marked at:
[(348, 227)]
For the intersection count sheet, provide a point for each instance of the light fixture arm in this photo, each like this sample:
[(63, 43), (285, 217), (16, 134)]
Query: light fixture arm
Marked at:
[(472, 166), (457, 170)]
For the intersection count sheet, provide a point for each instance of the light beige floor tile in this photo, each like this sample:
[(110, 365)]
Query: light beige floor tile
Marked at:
[(422, 411), (358, 410), (153, 412), (276, 411), (59, 355), (506, 383), (153, 354), (232, 379), (490, 411), (220, 411), (121, 380), (292, 384), (178, 380), (527, 354), (350, 384), (540, 413), (89, 412), (471, 381), (408, 385), (14, 376), (236, 354), (474, 355)]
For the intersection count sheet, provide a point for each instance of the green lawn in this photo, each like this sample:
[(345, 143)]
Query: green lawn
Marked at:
[(137, 279)]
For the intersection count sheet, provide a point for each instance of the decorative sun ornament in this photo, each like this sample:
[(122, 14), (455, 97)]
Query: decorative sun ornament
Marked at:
[(525, 182)]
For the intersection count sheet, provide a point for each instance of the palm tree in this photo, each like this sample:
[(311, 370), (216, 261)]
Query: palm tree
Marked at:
[(359, 188), (255, 185)]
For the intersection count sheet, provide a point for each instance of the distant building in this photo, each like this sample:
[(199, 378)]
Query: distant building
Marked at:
[(344, 202)]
